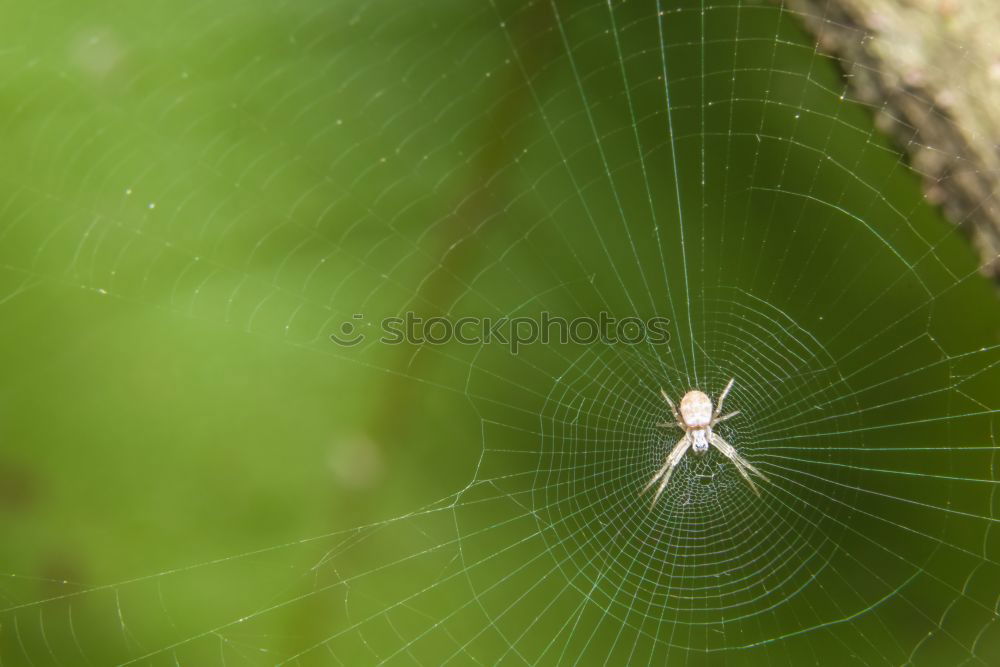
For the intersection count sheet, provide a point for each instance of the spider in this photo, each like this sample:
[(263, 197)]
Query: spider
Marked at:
[(697, 418)]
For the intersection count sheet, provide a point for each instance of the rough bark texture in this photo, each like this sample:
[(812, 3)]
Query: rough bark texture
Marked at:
[(932, 68)]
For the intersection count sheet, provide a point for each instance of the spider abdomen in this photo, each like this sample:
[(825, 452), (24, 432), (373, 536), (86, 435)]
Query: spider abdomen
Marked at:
[(696, 409)]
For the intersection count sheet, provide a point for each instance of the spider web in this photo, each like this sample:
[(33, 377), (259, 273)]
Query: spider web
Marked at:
[(198, 194)]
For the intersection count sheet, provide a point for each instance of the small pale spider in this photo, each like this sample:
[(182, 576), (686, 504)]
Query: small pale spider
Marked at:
[(697, 418)]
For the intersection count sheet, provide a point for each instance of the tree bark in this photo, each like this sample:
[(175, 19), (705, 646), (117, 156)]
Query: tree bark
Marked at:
[(931, 69)]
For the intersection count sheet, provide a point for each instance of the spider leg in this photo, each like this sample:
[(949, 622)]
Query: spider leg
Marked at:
[(722, 397), (675, 456), (716, 420), (669, 424), (673, 408), (742, 465)]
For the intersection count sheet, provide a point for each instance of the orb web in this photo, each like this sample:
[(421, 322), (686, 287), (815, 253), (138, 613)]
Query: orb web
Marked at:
[(201, 196)]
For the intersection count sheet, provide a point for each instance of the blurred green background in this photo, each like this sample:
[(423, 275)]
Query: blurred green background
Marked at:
[(194, 196)]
